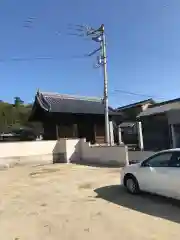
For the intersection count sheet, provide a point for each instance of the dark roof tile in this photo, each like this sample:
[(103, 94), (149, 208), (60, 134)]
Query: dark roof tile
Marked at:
[(136, 104), (161, 108), (53, 102)]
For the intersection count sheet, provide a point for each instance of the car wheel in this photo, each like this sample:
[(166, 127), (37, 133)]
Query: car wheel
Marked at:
[(131, 184)]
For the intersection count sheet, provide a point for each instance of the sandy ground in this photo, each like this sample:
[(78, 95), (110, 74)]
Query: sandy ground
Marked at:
[(79, 202)]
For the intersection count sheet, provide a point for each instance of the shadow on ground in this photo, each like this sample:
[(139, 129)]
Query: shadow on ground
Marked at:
[(145, 203)]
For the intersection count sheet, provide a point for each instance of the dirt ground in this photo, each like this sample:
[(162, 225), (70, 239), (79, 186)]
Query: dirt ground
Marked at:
[(80, 202)]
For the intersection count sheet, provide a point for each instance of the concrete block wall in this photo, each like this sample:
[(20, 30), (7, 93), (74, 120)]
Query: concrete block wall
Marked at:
[(63, 150), (138, 156), (107, 155), (36, 152)]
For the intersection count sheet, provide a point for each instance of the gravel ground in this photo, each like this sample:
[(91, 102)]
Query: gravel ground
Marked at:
[(80, 202)]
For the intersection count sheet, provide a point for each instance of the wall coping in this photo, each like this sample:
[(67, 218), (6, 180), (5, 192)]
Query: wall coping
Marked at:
[(106, 146)]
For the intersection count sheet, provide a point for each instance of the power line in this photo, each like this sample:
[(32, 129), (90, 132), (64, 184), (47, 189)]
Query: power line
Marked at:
[(80, 28), (29, 59), (28, 24), (120, 91)]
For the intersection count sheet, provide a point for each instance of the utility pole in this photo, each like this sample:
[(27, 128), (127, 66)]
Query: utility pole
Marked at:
[(98, 35), (106, 110)]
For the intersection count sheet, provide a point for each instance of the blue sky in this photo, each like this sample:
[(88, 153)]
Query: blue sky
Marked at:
[(143, 47)]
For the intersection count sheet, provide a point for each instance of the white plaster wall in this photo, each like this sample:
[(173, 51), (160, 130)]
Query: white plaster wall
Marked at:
[(67, 150), (36, 152), (16, 149), (110, 155), (73, 150)]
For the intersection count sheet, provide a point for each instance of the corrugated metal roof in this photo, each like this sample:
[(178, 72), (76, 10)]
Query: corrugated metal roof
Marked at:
[(54, 102), (161, 108)]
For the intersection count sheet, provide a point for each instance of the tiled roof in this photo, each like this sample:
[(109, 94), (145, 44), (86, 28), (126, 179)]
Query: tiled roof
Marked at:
[(54, 102), (161, 108), (136, 104)]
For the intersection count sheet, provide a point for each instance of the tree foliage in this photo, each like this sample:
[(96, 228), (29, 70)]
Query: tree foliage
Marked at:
[(15, 116), (18, 102)]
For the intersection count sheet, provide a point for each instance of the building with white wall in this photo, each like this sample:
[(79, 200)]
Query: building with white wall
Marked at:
[(161, 125)]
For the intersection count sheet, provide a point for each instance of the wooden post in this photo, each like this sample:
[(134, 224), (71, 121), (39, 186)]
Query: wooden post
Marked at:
[(173, 136), (75, 135), (57, 132), (94, 133)]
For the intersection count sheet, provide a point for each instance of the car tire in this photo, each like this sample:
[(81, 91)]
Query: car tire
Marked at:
[(131, 184)]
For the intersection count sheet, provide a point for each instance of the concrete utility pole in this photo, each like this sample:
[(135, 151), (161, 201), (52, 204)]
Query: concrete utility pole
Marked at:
[(99, 36), (106, 110)]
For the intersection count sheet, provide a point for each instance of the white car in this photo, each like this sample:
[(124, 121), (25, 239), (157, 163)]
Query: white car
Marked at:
[(159, 174)]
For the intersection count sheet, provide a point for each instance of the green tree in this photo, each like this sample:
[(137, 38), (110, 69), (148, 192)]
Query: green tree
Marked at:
[(18, 102), (15, 116)]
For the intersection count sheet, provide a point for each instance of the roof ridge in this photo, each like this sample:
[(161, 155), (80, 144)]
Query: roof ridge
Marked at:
[(68, 96), (165, 102), (134, 104)]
